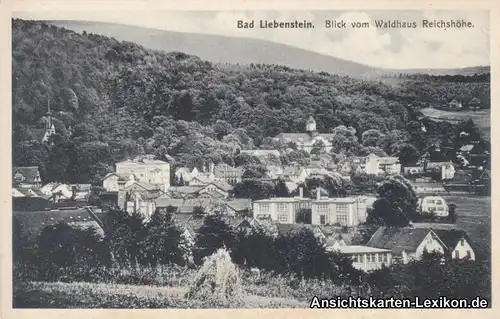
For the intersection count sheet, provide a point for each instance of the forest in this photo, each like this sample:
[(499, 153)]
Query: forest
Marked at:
[(112, 100)]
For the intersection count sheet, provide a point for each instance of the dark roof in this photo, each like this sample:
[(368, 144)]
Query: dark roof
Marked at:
[(33, 222), (398, 239), (292, 228), (29, 173), (30, 203), (37, 133), (451, 237), (240, 204)]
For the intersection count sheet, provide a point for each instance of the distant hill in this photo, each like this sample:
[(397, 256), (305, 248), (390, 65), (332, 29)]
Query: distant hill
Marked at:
[(223, 49)]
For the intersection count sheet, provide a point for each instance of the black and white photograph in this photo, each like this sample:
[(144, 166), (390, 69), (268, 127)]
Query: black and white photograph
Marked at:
[(314, 159)]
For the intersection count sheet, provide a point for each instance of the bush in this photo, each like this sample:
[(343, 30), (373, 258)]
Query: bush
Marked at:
[(218, 279)]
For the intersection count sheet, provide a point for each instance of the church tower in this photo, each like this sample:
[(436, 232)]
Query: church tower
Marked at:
[(50, 129), (311, 125)]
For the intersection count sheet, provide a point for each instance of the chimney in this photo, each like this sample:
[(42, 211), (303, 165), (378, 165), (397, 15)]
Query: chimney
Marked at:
[(318, 193), (301, 192)]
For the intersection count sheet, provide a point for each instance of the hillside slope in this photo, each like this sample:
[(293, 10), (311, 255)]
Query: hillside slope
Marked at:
[(222, 49)]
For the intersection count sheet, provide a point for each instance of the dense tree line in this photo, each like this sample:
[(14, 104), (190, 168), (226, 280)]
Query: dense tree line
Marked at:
[(112, 100)]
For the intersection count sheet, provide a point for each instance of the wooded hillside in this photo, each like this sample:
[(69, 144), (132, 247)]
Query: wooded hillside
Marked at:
[(112, 100)]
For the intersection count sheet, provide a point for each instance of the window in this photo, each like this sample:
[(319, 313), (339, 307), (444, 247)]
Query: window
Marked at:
[(384, 258), (282, 218), (361, 258), (429, 240), (430, 201), (439, 202), (457, 254), (342, 219), (440, 209), (469, 255), (462, 242), (322, 219), (342, 209), (264, 208)]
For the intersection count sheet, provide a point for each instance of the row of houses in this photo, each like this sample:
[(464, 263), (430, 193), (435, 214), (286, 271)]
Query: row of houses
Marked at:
[(386, 246)]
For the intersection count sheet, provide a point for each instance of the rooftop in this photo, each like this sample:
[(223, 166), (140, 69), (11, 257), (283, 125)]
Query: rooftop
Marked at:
[(357, 249)]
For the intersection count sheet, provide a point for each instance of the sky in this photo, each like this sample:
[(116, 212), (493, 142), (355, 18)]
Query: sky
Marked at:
[(387, 48)]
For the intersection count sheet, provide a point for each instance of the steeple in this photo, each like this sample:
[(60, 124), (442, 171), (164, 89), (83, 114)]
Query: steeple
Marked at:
[(50, 129)]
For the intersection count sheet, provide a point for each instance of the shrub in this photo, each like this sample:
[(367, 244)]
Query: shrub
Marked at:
[(218, 279)]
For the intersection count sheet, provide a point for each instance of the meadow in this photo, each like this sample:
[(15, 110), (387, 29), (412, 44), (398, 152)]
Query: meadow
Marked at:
[(481, 118)]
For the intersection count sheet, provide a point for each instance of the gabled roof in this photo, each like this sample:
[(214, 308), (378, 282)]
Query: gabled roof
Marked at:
[(398, 239), (451, 237), (240, 204), (29, 173), (37, 133), (165, 201), (142, 186)]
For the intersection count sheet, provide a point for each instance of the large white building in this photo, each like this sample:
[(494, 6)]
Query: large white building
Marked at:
[(144, 169), (280, 209), (346, 211)]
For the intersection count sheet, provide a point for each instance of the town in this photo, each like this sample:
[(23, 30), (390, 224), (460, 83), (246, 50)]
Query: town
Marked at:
[(145, 178), (144, 185)]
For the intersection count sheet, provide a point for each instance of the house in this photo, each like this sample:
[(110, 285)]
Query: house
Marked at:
[(434, 204), (183, 191), (316, 170), (458, 244), (474, 104), (364, 258), (57, 191), (33, 222), (346, 211), (295, 173), (144, 169), (280, 209), (375, 165), (308, 140), (114, 182), (81, 191), (202, 179), (228, 174), (140, 202), (17, 193), (165, 201), (238, 207), (26, 177), (217, 189), (406, 243), (354, 164), (455, 104), (445, 170)]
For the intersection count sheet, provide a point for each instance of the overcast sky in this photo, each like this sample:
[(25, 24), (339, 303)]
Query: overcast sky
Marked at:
[(389, 48)]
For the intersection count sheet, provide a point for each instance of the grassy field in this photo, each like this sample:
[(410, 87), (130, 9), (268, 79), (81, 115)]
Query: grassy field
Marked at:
[(474, 216), (93, 295), (481, 118)]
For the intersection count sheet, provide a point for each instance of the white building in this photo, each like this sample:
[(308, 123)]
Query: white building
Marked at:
[(434, 204), (407, 244), (363, 257), (376, 165), (143, 169), (346, 211), (280, 209)]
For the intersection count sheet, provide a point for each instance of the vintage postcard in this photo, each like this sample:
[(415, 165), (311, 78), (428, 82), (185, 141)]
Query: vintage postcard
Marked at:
[(249, 157)]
